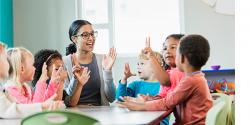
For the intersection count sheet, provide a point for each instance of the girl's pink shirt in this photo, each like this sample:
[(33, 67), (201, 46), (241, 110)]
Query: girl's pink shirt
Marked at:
[(41, 94), (175, 76)]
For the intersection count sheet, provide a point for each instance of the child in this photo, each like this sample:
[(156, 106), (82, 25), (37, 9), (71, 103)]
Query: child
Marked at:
[(8, 108), (148, 85), (191, 97), (171, 76), (53, 60), (23, 70)]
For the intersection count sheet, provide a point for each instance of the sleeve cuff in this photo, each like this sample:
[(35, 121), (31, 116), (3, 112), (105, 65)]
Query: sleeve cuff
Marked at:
[(154, 105), (107, 74)]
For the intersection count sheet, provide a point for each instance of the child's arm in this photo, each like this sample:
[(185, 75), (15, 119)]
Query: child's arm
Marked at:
[(10, 109), (181, 93), (159, 72), (122, 89), (19, 97)]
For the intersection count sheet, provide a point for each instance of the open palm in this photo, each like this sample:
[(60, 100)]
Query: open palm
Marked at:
[(109, 59)]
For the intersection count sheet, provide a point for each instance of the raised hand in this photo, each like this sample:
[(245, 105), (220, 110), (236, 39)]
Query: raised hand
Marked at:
[(127, 73), (74, 60), (81, 74), (148, 50), (55, 75), (109, 59), (44, 76)]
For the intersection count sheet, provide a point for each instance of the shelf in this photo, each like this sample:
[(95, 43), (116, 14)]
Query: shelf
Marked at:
[(217, 71)]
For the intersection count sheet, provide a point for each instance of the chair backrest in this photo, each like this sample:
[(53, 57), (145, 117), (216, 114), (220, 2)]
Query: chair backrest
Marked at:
[(59, 118), (220, 113), (214, 114)]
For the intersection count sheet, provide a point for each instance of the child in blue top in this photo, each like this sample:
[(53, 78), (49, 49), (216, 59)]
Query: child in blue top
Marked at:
[(148, 84)]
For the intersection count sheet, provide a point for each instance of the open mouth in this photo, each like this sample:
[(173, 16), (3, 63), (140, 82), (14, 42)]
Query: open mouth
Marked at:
[(89, 44)]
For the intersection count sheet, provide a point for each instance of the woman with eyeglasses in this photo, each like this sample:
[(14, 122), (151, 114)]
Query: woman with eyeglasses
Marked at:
[(90, 80)]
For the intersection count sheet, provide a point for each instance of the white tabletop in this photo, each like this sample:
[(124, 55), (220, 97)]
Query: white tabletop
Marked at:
[(117, 116), (110, 116)]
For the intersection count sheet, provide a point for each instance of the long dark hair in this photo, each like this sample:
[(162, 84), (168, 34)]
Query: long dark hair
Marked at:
[(73, 30)]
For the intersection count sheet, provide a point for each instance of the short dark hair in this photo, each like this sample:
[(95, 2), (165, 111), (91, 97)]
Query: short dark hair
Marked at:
[(44, 55), (196, 49), (175, 36)]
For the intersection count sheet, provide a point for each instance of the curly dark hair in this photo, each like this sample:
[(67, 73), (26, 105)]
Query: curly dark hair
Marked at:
[(44, 55), (196, 49)]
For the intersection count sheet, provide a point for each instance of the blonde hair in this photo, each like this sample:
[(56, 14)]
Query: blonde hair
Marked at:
[(157, 55), (16, 57)]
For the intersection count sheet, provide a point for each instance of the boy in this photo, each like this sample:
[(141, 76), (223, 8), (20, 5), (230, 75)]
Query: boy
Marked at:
[(147, 85)]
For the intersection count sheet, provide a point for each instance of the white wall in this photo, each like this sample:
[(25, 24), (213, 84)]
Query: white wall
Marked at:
[(42, 23), (217, 28)]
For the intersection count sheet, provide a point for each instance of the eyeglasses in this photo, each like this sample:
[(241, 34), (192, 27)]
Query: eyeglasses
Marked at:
[(86, 35)]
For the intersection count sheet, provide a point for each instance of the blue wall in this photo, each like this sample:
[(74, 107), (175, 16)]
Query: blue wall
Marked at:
[(6, 22)]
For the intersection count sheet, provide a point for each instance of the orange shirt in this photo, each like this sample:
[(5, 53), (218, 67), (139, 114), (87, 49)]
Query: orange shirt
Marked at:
[(191, 99)]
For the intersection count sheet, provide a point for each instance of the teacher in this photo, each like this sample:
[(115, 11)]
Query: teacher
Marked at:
[(90, 80)]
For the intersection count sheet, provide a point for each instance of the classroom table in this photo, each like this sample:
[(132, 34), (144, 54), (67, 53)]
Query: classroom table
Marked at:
[(111, 115)]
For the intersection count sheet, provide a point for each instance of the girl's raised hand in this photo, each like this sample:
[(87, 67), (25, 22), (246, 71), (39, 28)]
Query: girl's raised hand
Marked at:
[(44, 76), (55, 75), (109, 59), (147, 50)]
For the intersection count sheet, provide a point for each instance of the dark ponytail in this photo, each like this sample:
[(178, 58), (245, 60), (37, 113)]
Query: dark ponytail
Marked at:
[(70, 49)]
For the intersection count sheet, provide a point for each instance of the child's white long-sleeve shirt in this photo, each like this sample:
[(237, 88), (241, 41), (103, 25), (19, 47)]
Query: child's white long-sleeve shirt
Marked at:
[(10, 109)]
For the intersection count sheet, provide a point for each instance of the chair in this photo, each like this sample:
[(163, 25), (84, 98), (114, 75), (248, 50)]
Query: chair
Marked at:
[(59, 118), (220, 113)]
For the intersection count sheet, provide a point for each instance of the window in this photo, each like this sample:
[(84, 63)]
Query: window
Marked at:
[(125, 24)]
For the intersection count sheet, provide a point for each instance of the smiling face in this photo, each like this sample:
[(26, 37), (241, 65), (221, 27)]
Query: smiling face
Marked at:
[(169, 51), (57, 62), (144, 69), (82, 41)]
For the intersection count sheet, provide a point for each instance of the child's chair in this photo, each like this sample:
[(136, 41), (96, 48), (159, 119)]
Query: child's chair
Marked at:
[(220, 113), (59, 118)]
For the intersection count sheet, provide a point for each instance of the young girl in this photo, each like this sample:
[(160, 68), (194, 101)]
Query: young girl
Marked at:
[(171, 76), (191, 97), (8, 108), (50, 61), (23, 70)]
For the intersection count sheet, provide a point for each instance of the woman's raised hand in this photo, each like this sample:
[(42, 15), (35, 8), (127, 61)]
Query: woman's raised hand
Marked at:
[(109, 59)]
